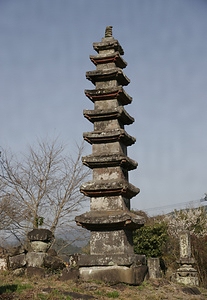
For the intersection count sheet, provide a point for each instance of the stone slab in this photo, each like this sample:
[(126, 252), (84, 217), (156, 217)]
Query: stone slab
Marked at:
[(35, 259), (17, 261), (111, 260), (115, 274)]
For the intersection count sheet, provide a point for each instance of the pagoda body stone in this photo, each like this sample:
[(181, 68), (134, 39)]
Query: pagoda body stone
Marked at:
[(110, 221)]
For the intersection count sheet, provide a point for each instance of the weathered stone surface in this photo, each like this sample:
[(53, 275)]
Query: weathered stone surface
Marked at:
[(108, 45), (69, 274), (35, 259), (43, 235), (111, 260), (99, 115), (16, 251), (114, 57), (186, 274), (110, 219), (109, 93), (53, 263), (39, 246), (34, 271), (185, 245), (184, 261), (106, 160), (110, 203), (3, 264), (17, 261), (153, 264), (133, 275), (111, 74), (109, 188), (111, 242), (109, 136)]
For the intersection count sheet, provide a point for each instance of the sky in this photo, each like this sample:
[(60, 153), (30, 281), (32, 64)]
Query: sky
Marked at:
[(44, 54)]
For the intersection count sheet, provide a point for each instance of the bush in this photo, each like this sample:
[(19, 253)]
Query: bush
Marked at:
[(150, 240)]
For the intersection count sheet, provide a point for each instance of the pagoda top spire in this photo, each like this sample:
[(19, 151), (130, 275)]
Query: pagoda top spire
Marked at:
[(108, 31)]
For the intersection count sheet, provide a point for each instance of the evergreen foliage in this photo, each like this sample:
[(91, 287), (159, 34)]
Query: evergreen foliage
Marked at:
[(151, 239)]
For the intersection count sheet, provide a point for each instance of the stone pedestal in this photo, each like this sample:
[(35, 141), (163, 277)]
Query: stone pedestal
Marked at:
[(186, 274), (109, 220), (39, 242)]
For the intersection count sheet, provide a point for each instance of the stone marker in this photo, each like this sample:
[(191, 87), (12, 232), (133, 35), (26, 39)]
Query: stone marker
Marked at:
[(153, 264), (110, 221), (186, 274)]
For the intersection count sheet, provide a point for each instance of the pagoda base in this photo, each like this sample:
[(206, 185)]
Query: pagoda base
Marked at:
[(131, 275), (127, 268)]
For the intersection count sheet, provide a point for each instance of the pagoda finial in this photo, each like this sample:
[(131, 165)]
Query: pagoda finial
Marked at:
[(108, 31)]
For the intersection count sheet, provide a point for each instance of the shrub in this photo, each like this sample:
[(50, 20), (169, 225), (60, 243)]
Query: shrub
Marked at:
[(151, 239)]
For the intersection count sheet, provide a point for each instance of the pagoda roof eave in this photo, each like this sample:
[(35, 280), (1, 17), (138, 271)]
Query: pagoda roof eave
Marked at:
[(107, 44), (109, 188), (106, 160), (108, 74), (108, 58), (109, 114), (109, 93), (110, 219), (97, 137)]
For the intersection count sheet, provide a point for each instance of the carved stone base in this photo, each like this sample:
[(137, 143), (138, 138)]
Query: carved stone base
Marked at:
[(111, 260), (187, 275), (130, 275)]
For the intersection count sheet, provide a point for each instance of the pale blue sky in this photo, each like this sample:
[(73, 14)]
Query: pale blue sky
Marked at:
[(44, 54)]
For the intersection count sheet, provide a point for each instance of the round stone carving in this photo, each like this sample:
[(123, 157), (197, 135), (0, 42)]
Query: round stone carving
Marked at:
[(39, 246)]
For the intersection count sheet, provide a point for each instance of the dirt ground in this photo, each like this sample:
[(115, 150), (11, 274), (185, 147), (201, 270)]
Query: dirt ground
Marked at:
[(50, 287)]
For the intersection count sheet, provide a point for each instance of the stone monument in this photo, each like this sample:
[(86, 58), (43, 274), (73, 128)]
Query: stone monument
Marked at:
[(110, 221), (186, 274)]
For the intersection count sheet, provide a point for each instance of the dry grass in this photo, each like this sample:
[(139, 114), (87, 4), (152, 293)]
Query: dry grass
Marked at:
[(51, 288)]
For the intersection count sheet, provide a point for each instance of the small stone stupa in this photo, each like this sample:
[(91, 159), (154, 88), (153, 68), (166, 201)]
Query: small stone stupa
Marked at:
[(110, 221), (186, 274)]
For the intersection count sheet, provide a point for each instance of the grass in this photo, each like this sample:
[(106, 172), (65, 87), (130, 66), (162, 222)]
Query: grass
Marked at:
[(51, 288), (114, 294), (11, 288)]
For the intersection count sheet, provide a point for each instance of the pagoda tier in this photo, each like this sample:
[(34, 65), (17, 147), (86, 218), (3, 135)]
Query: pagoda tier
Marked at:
[(109, 220), (109, 58), (113, 219), (106, 75), (107, 45), (106, 160), (108, 114), (108, 136), (109, 93), (109, 188)]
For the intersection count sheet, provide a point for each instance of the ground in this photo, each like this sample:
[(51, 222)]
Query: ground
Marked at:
[(51, 288)]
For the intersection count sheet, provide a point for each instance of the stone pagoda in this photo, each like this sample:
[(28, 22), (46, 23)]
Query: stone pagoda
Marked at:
[(110, 221)]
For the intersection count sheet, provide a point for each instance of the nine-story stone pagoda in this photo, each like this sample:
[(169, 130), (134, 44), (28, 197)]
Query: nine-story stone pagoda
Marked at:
[(110, 221)]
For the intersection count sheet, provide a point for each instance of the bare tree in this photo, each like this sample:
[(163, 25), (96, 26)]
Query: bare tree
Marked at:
[(43, 187)]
